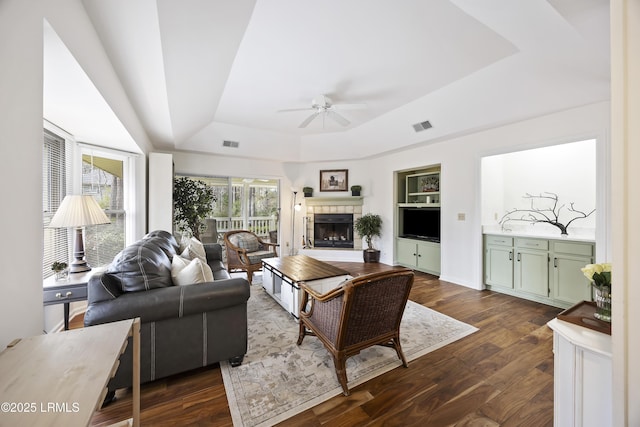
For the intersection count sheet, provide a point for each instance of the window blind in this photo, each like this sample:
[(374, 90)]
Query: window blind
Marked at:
[(55, 181)]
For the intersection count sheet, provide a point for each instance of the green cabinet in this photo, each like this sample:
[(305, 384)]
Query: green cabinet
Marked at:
[(542, 270), (498, 261), (531, 269), (423, 256), (569, 284)]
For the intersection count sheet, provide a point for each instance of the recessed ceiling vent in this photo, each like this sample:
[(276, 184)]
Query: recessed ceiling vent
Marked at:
[(232, 144), (418, 127)]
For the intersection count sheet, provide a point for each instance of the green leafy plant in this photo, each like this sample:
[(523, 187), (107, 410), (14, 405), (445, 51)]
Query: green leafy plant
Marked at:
[(356, 188), (192, 203), (58, 266), (369, 226), (307, 191), (598, 274)]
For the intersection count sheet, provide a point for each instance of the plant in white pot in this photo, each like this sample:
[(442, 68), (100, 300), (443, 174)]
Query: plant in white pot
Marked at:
[(369, 226)]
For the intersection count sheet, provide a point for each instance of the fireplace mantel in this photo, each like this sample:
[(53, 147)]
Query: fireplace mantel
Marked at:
[(334, 201)]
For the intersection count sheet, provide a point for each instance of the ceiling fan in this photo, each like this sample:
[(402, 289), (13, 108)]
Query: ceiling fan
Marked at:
[(322, 105)]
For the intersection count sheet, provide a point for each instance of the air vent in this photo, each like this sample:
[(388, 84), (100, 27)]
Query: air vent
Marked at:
[(232, 144), (418, 127)]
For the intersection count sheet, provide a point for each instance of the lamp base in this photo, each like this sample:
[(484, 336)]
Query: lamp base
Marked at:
[(79, 266)]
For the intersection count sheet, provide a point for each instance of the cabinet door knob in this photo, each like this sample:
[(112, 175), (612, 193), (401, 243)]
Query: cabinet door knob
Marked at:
[(69, 293), (510, 255), (555, 262), (518, 256)]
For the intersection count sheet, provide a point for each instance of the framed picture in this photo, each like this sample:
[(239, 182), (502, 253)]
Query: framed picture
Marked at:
[(430, 183), (334, 180)]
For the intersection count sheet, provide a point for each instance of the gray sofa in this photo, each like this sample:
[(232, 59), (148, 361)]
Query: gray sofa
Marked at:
[(182, 327)]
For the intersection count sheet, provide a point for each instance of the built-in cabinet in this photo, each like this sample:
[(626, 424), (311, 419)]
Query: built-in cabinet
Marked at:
[(417, 222), (423, 256), (543, 270), (582, 372)]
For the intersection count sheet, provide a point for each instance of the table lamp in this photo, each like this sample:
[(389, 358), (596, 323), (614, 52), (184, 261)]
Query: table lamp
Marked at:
[(78, 211)]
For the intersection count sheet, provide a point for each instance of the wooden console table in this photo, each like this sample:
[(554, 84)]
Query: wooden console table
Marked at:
[(281, 278), (61, 379)]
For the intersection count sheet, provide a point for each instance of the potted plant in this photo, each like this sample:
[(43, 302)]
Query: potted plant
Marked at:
[(60, 269), (355, 190), (369, 226), (192, 203), (308, 191)]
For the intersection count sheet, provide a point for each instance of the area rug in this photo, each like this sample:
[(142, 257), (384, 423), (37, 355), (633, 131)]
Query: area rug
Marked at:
[(279, 379)]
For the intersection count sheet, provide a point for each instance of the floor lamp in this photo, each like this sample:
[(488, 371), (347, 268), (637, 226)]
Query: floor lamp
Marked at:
[(78, 211), (294, 208)]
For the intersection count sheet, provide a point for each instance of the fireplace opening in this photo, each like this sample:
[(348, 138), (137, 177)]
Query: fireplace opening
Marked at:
[(333, 231)]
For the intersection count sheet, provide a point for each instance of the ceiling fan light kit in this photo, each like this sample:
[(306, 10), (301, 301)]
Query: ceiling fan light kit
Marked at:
[(323, 105)]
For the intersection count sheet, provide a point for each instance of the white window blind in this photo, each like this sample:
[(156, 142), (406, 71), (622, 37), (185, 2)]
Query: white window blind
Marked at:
[(56, 182)]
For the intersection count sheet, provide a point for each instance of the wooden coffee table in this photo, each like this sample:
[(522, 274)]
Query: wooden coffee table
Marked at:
[(281, 278)]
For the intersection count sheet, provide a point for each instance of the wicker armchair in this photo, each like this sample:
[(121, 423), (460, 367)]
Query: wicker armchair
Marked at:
[(245, 251), (363, 312)]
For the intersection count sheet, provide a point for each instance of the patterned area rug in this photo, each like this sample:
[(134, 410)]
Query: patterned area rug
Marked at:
[(278, 379)]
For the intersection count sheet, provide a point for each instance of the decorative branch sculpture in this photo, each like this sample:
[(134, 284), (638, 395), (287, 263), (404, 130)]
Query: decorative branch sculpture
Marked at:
[(549, 215)]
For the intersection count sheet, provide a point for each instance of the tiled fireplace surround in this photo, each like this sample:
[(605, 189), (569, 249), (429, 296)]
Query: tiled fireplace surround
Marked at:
[(329, 205)]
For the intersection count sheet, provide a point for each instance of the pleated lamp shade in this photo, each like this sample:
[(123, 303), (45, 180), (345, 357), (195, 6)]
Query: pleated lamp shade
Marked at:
[(78, 211)]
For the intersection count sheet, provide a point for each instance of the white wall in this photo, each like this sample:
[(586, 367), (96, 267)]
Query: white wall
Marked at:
[(21, 130), (568, 170), (21, 114), (625, 202)]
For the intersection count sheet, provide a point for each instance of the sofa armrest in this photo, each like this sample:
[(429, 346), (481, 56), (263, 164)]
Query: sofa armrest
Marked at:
[(171, 302)]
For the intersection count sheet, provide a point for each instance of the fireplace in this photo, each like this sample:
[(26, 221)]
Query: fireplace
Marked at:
[(333, 230)]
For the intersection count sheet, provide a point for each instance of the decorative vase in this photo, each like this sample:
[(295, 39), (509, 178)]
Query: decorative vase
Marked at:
[(62, 275), (603, 303)]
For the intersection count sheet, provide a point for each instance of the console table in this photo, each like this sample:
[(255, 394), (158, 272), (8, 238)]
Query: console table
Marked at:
[(281, 278), (60, 379), (67, 291)]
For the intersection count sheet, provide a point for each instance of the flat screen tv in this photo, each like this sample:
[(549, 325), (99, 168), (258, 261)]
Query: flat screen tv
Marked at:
[(421, 223)]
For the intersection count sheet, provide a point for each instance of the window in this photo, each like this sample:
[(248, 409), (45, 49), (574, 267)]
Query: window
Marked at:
[(253, 205), (103, 173), (103, 178), (56, 181)]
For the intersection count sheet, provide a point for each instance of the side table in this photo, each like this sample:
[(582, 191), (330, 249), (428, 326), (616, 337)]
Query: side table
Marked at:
[(61, 379), (67, 291)]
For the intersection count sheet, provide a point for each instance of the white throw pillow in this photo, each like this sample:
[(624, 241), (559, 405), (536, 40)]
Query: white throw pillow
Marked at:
[(194, 249), (187, 272)]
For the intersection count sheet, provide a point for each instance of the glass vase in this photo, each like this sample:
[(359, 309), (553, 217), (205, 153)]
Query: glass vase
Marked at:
[(603, 303), (62, 275)]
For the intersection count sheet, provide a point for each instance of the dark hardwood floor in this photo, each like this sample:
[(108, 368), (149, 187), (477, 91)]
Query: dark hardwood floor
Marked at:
[(502, 375)]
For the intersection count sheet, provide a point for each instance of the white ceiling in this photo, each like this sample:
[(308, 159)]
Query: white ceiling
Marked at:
[(198, 72)]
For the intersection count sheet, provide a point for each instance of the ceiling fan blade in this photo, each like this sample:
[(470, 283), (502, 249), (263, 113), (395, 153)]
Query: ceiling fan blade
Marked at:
[(308, 120), (295, 109), (338, 118)]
